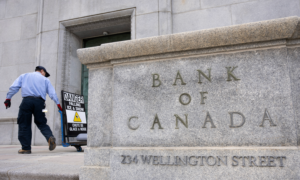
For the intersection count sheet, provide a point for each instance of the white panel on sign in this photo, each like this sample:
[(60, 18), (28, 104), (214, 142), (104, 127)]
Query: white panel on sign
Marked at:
[(79, 118)]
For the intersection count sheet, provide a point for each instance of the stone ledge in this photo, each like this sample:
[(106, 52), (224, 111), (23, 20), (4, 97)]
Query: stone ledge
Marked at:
[(206, 148), (12, 119), (98, 17), (31, 170), (284, 28), (197, 52), (62, 163)]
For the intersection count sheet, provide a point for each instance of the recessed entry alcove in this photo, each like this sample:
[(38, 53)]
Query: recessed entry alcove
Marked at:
[(76, 33)]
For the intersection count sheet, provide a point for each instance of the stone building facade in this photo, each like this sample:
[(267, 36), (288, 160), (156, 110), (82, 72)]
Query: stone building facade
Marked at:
[(48, 33)]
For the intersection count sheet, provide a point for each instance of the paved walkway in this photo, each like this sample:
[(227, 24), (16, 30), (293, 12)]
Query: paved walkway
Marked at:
[(62, 163)]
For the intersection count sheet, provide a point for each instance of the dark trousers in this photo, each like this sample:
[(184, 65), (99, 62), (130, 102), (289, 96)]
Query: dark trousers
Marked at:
[(29, 107)]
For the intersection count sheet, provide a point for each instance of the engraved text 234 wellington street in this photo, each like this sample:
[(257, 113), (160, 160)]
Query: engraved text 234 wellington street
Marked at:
[(245, 161)]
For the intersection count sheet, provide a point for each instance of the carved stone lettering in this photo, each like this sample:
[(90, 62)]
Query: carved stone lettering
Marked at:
[(281, 160), (252, 160), (156, 78), (124, 159), (243, 160), (146, 159), (161, 161), (155, 158), (203, 97), (135, 159), (271, 162), (262, 161), (224, 161), (185, 102), (230, 74), (235, 121), (182, 161), (204, 75), (129, 159), (168, 163), (178, 76), (184, 123), (211, 162), (231, 120), (208, 119), (129, 125), (195, 162), (201, 162), (267, 117), (175, 161), (235, 162), (156, 121)]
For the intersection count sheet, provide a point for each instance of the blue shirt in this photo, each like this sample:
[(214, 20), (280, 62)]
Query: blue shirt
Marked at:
[(33, 84)]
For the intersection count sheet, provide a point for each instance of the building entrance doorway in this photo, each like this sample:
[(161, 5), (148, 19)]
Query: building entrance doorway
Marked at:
[(92, 42)]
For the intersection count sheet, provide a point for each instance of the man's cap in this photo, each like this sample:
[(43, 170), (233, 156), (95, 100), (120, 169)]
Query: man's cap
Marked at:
[(41, 67)]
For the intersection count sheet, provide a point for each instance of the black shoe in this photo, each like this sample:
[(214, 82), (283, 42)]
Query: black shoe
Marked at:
[(21, 151), (51, 143)]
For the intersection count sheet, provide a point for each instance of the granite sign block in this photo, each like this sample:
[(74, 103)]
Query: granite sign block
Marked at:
[(174, 103), (213, 104)]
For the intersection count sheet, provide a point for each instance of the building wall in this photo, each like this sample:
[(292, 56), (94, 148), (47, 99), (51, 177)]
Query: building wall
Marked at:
[(204, 14), (25, 44), (18, 26)]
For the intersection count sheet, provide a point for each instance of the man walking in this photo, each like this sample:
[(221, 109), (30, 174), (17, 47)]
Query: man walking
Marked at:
[(34, 86)]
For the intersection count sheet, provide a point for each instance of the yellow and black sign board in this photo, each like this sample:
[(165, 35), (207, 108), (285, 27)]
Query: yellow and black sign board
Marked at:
[(75, 116)]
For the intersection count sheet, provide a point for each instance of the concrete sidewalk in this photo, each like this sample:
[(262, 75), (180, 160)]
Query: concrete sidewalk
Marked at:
[(62, 163)]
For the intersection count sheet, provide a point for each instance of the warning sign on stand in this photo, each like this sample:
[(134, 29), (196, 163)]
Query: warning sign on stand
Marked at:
[(77, 118), (74, 110)]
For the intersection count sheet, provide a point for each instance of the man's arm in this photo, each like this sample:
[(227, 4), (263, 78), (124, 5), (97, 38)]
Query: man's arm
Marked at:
[(52, 94), (14, 88)]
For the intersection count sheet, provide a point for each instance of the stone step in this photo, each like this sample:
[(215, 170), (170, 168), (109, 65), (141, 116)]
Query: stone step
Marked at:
[(62, 163), (24, 171)]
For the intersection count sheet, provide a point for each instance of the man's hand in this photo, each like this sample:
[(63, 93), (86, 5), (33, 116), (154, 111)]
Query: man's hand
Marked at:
[(7, 103), (59, 107)]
